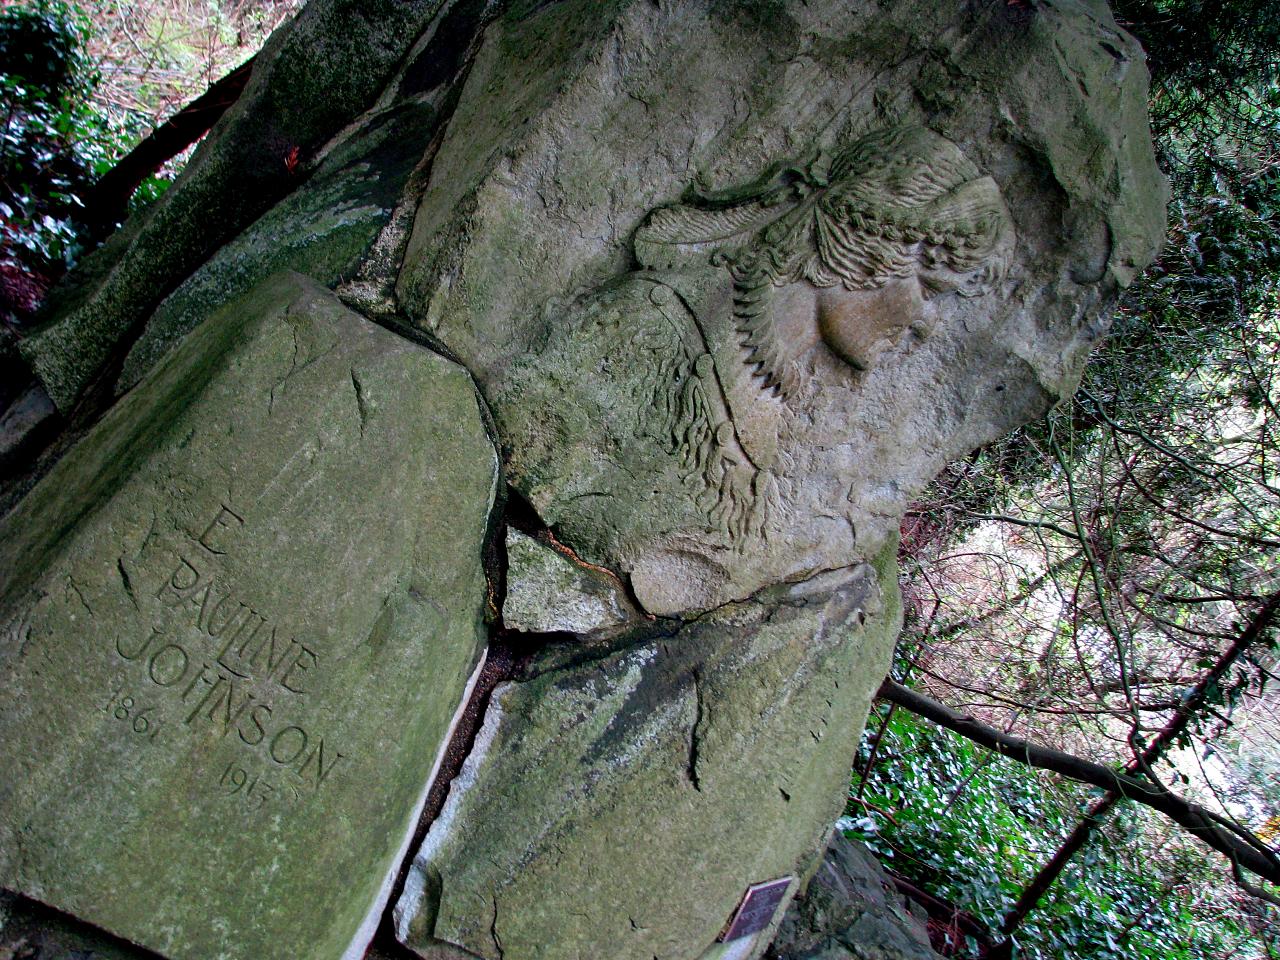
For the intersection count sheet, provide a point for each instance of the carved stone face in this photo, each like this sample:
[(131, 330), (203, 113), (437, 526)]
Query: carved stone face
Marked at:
[(684, 418), (859, 325)]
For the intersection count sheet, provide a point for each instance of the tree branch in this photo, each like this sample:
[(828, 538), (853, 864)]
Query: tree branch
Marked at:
[(108, 202), (1200, 822)]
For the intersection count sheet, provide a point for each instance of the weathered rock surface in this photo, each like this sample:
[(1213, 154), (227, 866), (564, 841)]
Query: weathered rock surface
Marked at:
[(547, 592), (850, 911), (238, 619), (734, 280), (325, 229), (619, 808), (913, 219), (310, 80)]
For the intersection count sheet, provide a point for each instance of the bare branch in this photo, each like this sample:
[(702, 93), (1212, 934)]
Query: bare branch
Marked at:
[(1202, 823)]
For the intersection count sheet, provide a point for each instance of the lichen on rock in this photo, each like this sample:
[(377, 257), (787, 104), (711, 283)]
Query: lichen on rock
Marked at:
[(724, 285)]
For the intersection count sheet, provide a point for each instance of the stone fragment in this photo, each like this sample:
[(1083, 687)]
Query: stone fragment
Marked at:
[(238, 618), (621, 808), (549, 593)]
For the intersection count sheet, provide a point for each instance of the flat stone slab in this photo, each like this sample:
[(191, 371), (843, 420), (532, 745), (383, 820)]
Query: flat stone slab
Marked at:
[(622, 807), (238, 619)]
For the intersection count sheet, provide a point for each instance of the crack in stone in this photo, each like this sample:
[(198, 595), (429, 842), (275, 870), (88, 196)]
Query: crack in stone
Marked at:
[(698, 715), (654, 630), (493, 931), (75, 588), (294, 366)]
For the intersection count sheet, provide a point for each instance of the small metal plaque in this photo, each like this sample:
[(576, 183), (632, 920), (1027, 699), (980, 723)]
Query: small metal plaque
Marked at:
[(756, 911)]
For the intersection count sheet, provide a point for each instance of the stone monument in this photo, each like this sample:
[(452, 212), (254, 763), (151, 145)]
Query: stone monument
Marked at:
[(212, 745), (614, 336)]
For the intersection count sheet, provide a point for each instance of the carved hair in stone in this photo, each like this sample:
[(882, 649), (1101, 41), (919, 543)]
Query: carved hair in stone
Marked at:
[(897, 203)]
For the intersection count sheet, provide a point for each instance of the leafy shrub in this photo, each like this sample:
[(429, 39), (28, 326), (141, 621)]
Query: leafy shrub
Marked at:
[(973, 828), (47, 132), (55, 142)]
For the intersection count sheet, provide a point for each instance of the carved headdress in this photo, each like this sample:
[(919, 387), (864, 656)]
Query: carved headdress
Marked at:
[(891, 204)]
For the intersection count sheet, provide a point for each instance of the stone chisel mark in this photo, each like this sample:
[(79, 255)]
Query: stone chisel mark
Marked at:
[(362, 405), (126, 581)]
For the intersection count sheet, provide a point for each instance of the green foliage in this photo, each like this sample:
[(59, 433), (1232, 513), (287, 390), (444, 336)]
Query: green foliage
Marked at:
[(1215, 111), (973, 828), (43, 45), (1215, 71), (1135, 529), (55, 141)]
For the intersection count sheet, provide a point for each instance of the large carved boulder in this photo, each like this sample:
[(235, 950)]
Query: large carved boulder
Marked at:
[(732, 311), (733, 281), (707, 756)]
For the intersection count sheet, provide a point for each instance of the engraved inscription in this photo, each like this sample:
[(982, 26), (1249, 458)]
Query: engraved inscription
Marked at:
[(223, 520), (231, 667), (251, 787), (253, 647), (140, 719)]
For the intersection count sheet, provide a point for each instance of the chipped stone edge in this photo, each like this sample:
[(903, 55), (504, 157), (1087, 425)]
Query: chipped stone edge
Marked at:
[(368, 927), (410, 904)]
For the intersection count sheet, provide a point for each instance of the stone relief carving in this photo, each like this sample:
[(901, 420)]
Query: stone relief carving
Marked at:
[(902, 204), (707, 362), (743, 410)]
